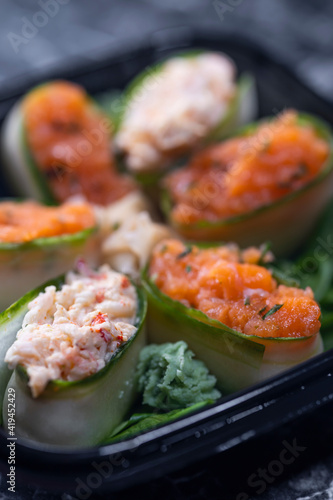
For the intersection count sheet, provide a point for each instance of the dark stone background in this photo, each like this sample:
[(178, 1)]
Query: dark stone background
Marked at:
[(299, 31)]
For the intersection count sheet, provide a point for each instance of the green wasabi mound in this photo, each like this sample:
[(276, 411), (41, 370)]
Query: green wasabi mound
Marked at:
[(169, 378)]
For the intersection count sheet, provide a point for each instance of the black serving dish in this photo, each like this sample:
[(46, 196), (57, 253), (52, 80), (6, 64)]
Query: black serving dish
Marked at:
[(300, 400)]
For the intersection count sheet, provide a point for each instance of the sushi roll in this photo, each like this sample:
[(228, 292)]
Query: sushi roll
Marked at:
[(128, 249), (56, 144), (179, 105), (73, 344), (268, 183), (40, 242), (230, 311)]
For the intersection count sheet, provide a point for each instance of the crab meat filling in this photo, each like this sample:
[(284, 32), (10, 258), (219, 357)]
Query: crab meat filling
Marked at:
[(175, 108), (73, 332)]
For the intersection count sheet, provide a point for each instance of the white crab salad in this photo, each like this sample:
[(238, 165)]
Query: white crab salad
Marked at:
[(73, 332), (175, 108)]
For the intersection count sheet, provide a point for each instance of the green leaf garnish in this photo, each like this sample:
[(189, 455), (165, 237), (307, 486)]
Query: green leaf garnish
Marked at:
[(266, 247), (262, 310), (187, 251), (139, 423), (188, 269), (272, 311), (285, 276), (247, 301)]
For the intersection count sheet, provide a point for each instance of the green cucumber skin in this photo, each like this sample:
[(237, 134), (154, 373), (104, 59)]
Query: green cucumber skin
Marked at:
[(242, 109), (8, 336), (24, 266), (45, 194), (10, 323), (12, 156), (78, 414), (285, 223), (20, 169), (235, 364)]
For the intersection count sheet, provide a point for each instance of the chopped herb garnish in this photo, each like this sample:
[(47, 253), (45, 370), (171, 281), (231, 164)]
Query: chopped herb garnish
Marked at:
[(262, 310), (56, 171), (66, 127), (164, 248), (247, 301), (272, 311), (284, 277), (301, 172), (116, 226), (184, 253), (265, 248), (188, 269)]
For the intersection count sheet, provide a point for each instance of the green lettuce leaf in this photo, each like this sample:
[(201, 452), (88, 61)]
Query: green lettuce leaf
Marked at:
[(141, 422)]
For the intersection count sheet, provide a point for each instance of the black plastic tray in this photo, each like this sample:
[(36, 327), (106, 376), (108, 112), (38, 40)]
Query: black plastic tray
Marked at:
[(301, 398)]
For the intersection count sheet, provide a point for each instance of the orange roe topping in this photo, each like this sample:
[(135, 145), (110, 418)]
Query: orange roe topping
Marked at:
[(242, 174), (99, 318), (70, 142), (223, 284), (26, 221)]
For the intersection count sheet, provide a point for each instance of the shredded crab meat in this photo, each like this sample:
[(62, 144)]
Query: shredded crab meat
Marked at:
[(72, 333), (128, 249), (175, 108)]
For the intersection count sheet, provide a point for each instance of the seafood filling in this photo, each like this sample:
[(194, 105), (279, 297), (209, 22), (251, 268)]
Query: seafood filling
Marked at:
[(175, 108), (73, 332)]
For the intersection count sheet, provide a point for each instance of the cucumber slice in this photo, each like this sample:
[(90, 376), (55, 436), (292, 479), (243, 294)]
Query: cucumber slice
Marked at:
[(71, 414), (242, 110), (20, 170), (10, 324), (237, 360), (285, 222), (25, 265)]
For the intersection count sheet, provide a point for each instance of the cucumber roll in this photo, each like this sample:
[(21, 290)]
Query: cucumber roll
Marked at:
[(56, 143), (177, 106), (38, 243), (77, 344), (268, 183), (230, 311)]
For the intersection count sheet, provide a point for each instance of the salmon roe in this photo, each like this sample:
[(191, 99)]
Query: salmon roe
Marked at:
[(69, 138), (27, 221), (244, 173), (230, 286)]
